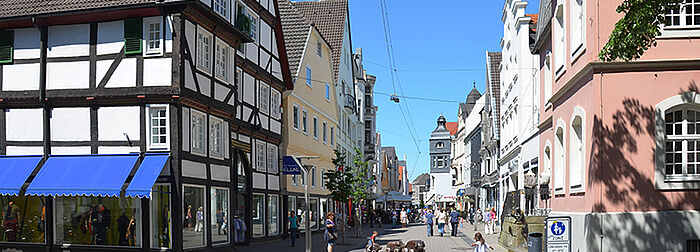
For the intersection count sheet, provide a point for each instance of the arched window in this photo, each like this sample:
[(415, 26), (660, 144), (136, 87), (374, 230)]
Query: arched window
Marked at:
[(682, 126), (559, 158), (577, 150), (440, 145)]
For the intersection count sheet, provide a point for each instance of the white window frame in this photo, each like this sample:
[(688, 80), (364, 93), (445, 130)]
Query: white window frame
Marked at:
[(305, 121), (204, 50), (239, 83), (559, 158), (325, 133), (319, 49), (147, 38), (222, 7), (221, 60), (215, 139), (577, 23), (296, 117), (254, 25), (323, 184), (199, 146), (149, 125), (260, 157), (272, 158), (577, 166), (264, 98), (559, 39), (681, 30), (315, 125), (204, 213), (275, 104), (309, 76), (662, 181)]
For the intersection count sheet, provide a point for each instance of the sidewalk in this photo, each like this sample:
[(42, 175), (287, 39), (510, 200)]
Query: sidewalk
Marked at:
[(318, 243), (491, 239)]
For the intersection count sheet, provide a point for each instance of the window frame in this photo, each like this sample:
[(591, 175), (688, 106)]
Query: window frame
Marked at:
[(319, 49), (213, 139), (272, 158), (661, 180), (146, 36), (201, 58), (275, 103), (305, 121), (559, 158), (577, 23), (149, 126), (202, 151), (325, 133), (296, 116), (315, 125), (213, 189), (559, 39), (260, 164), (204, 213), (332, 136), (580, 167), (264, 92), (309, 76), (682, 30), (217, 5), (328, 92), (222, 67)]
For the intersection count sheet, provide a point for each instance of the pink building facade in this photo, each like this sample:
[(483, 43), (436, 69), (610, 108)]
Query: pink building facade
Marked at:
[(621, 140)]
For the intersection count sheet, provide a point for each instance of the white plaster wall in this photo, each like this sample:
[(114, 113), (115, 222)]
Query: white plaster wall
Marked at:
[(117, 149), (113, 122), (265, 35), (246, 113), (206, 2), (70, 124), (194, 169), (24, 150), (189, 77), (276, 69), (273, 182), (157, 72), (220, 92), (204, 84), (186, 129), (265, 4), (68, 75), (70, 150), (274, 44), (276, 127), (24, 124), (69, 40), (220, 172), (264, 60), (110, 37), (123, 76), (442, 184), (259, 181), (264, 121), (190, 29), (251, 52), (19, 77), (26, 44)]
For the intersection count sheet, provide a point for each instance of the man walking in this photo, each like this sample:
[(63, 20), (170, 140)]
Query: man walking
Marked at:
[(429, 218), (454, 221)]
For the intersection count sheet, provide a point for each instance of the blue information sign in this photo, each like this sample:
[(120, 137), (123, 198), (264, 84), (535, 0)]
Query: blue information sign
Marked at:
[(290, 166)]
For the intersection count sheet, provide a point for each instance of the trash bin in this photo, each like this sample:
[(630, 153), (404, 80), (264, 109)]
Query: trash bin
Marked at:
[(534, 243)]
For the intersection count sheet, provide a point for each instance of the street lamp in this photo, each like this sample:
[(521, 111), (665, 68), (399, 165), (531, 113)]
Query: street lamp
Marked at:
[(293, 165)]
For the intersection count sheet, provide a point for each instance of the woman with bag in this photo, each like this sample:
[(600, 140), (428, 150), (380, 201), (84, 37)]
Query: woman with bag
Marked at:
[(331, 232)]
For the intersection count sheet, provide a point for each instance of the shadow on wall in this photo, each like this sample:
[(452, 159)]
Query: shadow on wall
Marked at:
[(626, 186)]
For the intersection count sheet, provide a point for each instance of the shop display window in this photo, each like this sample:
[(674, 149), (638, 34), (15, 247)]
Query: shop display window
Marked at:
[(219, 215), (301, 212), (324, 211), (23, 219), (240, 171), (258, 214), (161, 217), (272, 214), (238, 222), (106, 221), (313, 204), (193, 231)]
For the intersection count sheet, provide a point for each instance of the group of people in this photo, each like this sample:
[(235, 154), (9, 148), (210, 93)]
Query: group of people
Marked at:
[(488, 217), (196, 220), (441, 218), (330, 235)]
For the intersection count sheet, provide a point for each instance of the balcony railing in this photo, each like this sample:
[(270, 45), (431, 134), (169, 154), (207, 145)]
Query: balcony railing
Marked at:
[(349, 103)]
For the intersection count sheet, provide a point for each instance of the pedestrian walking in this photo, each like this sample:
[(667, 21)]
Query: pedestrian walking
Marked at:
[(199, 227), (454, 221), (471, 215), (293, 223), (394, 218), (429, 218), (487, 220), (404, 218), (331, 234), (441, 216), (493, 220), (480, 244), (478, 216)]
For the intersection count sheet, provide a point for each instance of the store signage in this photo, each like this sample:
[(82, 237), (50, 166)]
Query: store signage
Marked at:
[(290, 166), (558, 234), (245, 147)]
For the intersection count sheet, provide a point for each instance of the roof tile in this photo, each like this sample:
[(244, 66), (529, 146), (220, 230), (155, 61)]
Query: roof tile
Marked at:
[(328, 16)]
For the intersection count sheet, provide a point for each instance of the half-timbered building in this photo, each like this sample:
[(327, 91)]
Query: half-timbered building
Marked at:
[(140, 125)]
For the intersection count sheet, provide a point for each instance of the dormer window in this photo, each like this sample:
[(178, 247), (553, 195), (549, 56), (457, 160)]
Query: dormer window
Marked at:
[(440, 145)]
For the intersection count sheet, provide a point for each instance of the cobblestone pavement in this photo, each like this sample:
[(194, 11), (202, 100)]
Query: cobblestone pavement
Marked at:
[(386, 234)]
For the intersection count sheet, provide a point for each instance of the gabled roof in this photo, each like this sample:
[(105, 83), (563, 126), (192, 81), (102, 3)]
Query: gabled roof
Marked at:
[(493, 63), (452, 127), (471, 100), (421, 179), (295, 29), (546, 13), (328, 16), (532, 30), (20, 8)]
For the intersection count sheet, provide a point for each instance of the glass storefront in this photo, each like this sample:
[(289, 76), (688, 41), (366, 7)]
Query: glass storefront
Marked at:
[(238, 222), (272, 214), (219, 215), (258, 211), (240, 171), (23, 219), (161, 224), (324, 210), (313, 204), (301, 212), (291, 208), (98, 221), (193, 231)]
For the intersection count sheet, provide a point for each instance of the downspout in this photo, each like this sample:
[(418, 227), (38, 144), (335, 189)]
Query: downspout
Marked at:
[(48, 203), (600, 172)]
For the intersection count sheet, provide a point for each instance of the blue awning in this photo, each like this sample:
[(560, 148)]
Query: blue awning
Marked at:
[(14, 171), (142, 182), (83, 175)]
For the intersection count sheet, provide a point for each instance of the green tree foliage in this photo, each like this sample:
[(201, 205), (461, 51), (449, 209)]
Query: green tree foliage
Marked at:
[(349, 182), (636, 32)]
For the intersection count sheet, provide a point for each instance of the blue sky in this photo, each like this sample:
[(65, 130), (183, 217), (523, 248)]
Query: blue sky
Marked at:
[(427, 35)]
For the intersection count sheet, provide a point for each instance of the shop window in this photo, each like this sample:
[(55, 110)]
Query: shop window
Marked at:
[(193, 231), (258, 215), (272, 214), (240, 170), (301, 212), (314, 216), (98, 221), (23, 219), (158, 125), (219, 215), (324, 210), (161, 217)]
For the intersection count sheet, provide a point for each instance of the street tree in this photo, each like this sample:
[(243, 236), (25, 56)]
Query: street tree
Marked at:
[(636, 32)]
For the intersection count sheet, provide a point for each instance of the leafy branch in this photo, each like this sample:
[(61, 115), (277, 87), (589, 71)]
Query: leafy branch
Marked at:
[(636, 32)]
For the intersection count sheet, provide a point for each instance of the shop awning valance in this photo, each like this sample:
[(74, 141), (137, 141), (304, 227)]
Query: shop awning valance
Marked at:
[(142, 182), (83, 175), (14, 171)]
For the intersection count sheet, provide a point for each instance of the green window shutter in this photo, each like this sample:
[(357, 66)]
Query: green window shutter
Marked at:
[(133, 34), (7, 39)]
